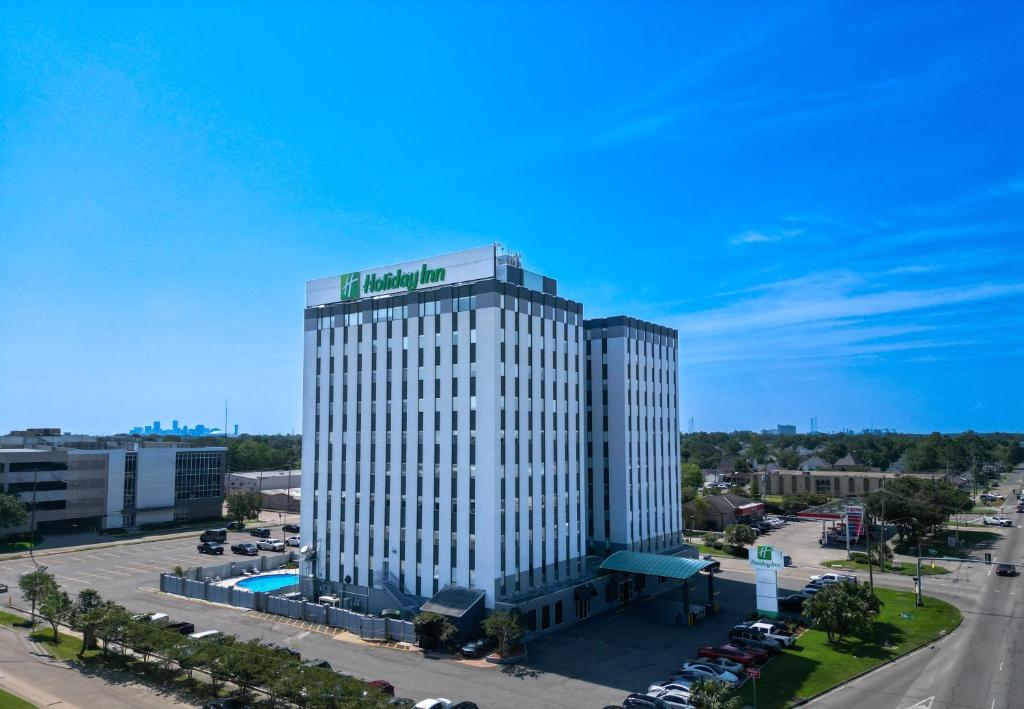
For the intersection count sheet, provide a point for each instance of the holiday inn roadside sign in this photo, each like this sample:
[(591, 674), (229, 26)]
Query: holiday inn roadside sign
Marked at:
[(766, 561)]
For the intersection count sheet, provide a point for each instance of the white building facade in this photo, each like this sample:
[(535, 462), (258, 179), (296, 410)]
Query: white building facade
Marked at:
[(633, 495), (444, 428)]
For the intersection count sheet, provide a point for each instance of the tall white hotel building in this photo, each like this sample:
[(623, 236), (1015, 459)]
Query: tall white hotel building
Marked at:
[(463, 426)]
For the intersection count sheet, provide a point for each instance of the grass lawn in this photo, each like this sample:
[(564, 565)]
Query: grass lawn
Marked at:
[(9, 701), (705, 549), (12, 547), (13, 621), (969, 538), (902, 568), (66, 648), (813, 666)]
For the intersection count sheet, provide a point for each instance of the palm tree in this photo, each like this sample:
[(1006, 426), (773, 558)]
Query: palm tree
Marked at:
[(713, 694)]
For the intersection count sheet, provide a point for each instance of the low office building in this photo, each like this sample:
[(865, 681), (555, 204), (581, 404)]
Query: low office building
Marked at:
[(93, 489), (831, 483), (262, 480)]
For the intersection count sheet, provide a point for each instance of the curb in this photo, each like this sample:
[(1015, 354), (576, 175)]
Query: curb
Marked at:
[(882, 666)]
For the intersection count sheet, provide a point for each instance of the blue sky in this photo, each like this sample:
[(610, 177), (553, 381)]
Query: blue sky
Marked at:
[(826, 199)]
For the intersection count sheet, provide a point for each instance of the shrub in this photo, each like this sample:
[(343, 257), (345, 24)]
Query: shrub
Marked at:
[(434, 631)]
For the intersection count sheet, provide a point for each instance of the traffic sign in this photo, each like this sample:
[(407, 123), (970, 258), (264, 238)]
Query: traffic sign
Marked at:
[(753, 673), (933, 552)]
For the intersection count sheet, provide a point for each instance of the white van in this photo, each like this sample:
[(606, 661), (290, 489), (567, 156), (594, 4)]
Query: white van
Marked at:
[(205, 635)]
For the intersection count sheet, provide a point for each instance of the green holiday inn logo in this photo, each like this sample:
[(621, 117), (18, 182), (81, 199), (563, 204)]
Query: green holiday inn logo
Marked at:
[(764, 552), (350, 286), (354, 286)]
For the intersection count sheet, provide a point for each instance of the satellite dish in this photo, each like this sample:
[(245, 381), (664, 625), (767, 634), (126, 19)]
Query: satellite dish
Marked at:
[(307, 551)]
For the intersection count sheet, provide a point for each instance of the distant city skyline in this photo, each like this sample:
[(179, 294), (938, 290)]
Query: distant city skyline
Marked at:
[(197, 430)]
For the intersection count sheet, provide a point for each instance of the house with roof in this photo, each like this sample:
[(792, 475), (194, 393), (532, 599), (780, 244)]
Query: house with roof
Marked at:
[(722, 510)]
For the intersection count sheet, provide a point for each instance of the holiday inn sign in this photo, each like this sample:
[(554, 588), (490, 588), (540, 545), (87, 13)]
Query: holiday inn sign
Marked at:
[(354, 285)]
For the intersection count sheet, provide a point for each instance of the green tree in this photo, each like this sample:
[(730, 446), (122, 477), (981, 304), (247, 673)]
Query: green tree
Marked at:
[(12, 512), (506, 629), (788, 459), (55, 606), (713, 694), (691, 475), (243, 505), (739, 535), (755, 486), (434, 631), (86, 617), (842, 609), (35, 585), (834, 450), (697, 513)]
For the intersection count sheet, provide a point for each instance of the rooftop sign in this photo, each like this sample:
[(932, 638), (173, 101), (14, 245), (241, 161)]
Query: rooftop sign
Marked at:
[(459, 267)]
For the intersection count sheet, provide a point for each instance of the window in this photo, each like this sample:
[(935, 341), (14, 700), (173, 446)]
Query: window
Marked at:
[(131, 464), (545, 617), (198, 475), (822, 485), (531, 619), (558, 612)]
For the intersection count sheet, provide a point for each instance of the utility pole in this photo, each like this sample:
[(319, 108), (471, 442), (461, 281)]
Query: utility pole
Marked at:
[(881, 540), (871, 574), (846, 527)]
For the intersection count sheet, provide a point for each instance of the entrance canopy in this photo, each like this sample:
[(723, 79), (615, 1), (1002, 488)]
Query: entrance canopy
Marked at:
[(638, 562)]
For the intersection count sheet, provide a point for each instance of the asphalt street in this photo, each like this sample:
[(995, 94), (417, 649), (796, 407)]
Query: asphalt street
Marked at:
[(977, 667)]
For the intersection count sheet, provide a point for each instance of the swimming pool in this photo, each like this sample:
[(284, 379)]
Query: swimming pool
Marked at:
[(268, 582)]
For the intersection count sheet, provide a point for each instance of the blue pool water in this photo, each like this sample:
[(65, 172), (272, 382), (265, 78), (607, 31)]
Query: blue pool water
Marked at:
[(268, 582)]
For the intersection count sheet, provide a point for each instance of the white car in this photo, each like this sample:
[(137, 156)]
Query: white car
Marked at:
[(440, 703), (775, 522), (998, 521), (677, 700), (834, 578), (270, 545), (678, 686), (808, 591), (723, 663), (787, 639), (293, 541), (706, 669)]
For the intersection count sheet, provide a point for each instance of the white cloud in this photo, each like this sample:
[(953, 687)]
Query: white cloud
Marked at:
[(759, 237)]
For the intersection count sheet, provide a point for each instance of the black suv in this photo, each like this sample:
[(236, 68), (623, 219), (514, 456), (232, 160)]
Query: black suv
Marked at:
[(210, 548), (291, 528), (260, 532), (245, 548)]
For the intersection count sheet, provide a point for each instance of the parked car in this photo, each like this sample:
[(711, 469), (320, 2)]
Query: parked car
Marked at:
[(673, 699), (227, 703), (779, 625), (783, 637), (763, 527), (744, 634), (809, 590), (477, 648), (758, 649), (729, 652), (728, 665), (1006, 570), (441, 703), (465, 705), (793, 603), (210, 548), (383, 686), (834, 578), (706, 669), (259, 532), (316, 662), (270, 544), (290, 528), (1020, 507), (775, 522), (643, 701), (214, 535), (3, 588), (787, 560), (235, 525), (205, 635), (997, 521), (182, 627), (245, 549), (756, 530), (293, 541), (674, 684), (715, 567)]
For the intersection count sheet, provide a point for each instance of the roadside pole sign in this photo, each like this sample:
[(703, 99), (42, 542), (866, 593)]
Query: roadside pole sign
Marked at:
[(753, 673), (766, 563)]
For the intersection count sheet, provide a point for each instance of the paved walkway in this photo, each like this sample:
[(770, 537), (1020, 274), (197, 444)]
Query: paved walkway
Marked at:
[(27, 671)]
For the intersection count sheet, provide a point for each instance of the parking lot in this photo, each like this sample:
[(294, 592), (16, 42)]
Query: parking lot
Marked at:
[(120, 571)]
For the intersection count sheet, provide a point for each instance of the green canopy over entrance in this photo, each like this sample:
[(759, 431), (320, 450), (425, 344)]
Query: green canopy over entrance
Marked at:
[(638, 562)]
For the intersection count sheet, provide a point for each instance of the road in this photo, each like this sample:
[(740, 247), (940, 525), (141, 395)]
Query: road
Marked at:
[(978, 666)]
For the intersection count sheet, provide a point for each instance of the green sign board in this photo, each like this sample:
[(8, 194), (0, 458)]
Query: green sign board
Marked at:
[(355, 285)]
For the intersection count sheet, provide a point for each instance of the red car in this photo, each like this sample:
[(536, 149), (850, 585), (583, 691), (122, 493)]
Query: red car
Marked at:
[(383, 686), (729, 652)]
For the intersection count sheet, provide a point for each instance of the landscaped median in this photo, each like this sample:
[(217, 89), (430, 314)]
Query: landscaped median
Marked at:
[(903, 568), (814, 666)]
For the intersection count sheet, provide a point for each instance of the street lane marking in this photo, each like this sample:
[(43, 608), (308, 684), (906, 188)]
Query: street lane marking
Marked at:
[(923, 704)]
